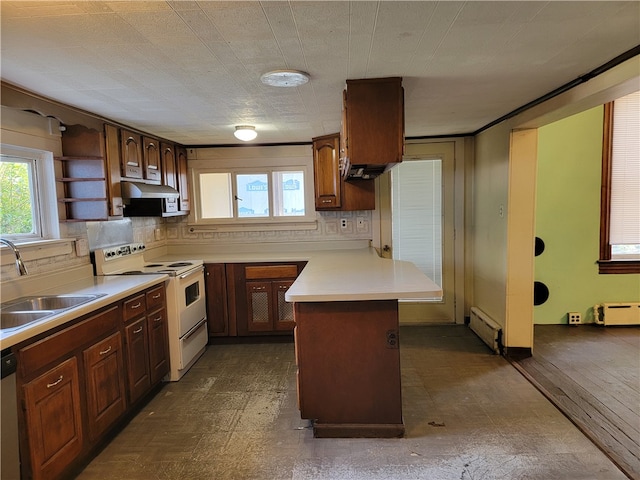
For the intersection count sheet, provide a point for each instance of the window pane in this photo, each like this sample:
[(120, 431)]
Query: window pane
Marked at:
[(17, 208), (215, 195), (288, 193), (416, 215), (625, 175), (252, 195)]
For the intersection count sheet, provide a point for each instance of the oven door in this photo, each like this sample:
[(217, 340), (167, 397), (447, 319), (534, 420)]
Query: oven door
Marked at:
[(191, 299)]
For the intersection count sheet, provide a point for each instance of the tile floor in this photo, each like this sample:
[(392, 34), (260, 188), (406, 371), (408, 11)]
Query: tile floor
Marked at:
[(469, 415)]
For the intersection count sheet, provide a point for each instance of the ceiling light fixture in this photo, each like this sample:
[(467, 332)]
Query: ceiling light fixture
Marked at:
[(245, 132), (285, 78)]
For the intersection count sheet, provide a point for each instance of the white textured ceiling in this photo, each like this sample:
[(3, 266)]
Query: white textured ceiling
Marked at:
[(190, 71)]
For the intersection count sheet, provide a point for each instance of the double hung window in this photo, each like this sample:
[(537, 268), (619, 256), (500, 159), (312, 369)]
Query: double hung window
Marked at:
[(620, 200), (26, 194)]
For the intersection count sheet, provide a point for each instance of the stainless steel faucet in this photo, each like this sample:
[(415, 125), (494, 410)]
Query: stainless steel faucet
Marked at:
[(19, 263)]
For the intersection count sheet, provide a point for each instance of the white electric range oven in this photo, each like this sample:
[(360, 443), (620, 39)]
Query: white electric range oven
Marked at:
[(186, 304)]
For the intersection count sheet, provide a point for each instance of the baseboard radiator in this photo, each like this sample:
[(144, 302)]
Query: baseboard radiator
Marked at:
[(487, 329), (617, 314)]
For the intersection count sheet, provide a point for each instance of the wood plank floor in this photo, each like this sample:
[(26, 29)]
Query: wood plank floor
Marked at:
[(592, 374)]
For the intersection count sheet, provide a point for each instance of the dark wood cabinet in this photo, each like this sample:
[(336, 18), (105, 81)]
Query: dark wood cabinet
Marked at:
[(114, 175), (373, 127), (77, 383), (53, 420), (348, 361), (89, 191), (169, 165), (151, 160), (183, 179), (217, 306), (105, 384), (326, 172), (332, 192), (132, 163), (158, 345), (258, 290)]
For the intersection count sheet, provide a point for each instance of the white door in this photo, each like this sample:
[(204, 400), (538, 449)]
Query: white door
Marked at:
[(417, 224)]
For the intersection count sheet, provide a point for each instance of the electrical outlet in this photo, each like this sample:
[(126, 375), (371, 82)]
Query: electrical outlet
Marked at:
[(343, 223), (575, 318)]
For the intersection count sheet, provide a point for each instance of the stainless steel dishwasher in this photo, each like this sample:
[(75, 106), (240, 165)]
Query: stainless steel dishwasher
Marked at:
[(10, 466)]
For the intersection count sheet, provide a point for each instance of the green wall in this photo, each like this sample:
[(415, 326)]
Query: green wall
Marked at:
[(568, 221)]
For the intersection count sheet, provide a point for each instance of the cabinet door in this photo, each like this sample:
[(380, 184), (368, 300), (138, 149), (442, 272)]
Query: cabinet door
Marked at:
[(104, 372), (53, 420), (183, 184), (169, 168), (131, 154), (116, 205), (260, 315), (217, 309), (283, 317), (326, 171), (137, 353), (151, 159), (158, 345)]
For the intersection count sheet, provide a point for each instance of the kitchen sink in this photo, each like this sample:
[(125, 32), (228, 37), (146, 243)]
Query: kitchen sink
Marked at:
[(11, 320), (25, 310)]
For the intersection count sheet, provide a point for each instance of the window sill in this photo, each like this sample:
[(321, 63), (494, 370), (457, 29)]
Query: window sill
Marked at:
[(618, 266), (253, 227)]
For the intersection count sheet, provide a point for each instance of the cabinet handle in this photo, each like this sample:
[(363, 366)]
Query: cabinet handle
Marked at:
[(326, 201), (155, 297), (159, 319), (49, 385), (104, 352), (138, 330), (137, 305)]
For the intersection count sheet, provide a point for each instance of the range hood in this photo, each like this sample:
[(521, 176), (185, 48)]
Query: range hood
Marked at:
[(132, 190)]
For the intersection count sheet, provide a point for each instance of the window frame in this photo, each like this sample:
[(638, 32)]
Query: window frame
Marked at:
[(43, 194), (272, 222), (607, 264)]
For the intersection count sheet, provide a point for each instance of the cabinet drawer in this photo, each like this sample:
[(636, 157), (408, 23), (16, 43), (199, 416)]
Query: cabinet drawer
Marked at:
[(59, 345), (271, 271), (134, 307), (156, 297)]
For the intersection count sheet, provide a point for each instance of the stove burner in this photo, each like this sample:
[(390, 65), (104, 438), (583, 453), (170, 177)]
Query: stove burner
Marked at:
[(180, 264), (152, 265), (132, 272)]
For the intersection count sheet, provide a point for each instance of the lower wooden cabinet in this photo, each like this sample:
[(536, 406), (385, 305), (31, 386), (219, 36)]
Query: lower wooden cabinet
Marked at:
[(76, 384), (256, 295), (217, 305), (158, 345), (54, 420), (104, 379), (138, 370)]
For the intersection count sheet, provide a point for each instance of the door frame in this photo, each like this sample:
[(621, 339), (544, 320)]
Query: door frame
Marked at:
[(463, 148)]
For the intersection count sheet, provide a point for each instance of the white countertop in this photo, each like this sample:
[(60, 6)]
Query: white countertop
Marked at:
[(114, 287), (352, 275)]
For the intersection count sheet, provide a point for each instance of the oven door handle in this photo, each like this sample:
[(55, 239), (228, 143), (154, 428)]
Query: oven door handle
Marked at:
[(188, 274), (194, 329)]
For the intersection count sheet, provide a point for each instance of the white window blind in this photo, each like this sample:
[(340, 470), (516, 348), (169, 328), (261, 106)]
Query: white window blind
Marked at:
[(625, 172), (416, 193)]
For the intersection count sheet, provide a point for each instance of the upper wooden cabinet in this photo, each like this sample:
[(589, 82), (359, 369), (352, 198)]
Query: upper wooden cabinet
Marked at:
[(373, 124), (332, 192), (131, 155), (169, 165), (90, 187), (183, 175), (326, 171), (151, 160)]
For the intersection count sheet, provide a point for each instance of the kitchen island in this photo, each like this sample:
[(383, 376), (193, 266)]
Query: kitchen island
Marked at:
[(347, 341)]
